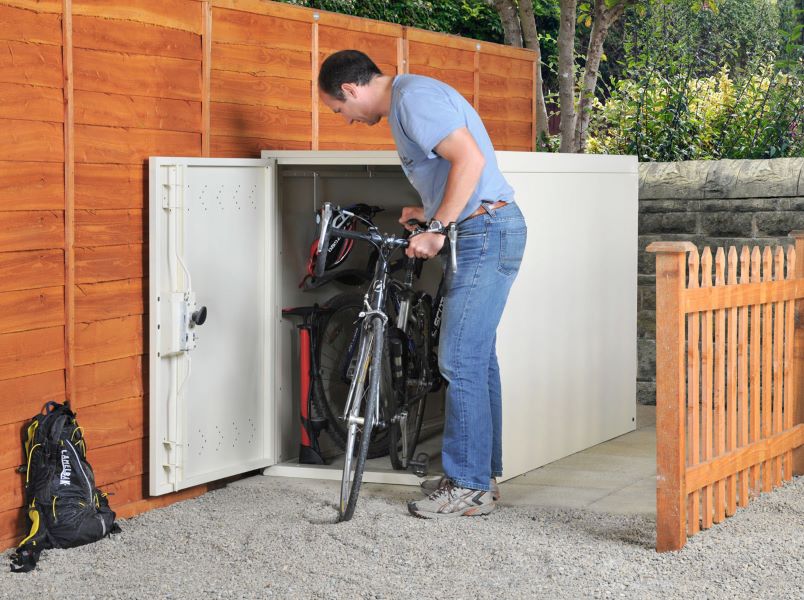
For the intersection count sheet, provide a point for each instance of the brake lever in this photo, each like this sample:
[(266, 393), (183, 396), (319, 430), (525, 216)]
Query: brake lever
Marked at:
[(452, 236)]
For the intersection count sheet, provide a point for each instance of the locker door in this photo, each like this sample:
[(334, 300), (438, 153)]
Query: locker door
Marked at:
[(211, 337)]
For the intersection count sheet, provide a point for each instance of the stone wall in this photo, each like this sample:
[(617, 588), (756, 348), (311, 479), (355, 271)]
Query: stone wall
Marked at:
[(709, 203)]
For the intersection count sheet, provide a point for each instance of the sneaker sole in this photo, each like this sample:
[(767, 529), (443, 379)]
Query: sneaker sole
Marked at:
[(470, 511)]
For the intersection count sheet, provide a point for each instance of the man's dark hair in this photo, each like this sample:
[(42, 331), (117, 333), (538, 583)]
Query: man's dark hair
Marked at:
[(345, 66)]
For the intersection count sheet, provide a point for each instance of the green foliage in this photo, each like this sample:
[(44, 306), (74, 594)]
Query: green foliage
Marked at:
[(674, 117), (469, 18), (704, 84)]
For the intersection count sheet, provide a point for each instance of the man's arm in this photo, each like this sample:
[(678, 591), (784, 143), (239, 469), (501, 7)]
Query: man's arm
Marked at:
[(467, 163)]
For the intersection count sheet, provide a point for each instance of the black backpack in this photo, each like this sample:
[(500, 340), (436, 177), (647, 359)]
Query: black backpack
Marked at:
[(64, 506)]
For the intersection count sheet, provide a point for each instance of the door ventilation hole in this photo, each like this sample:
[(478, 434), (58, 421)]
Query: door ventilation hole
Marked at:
[(203, 442), (253, 431), (236, 435), (220, 439)]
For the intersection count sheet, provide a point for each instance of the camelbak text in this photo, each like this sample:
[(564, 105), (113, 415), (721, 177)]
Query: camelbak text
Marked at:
[(66, 468)]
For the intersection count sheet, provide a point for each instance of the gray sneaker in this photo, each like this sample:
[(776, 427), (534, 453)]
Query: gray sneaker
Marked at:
[(450, 500), (431, 485)]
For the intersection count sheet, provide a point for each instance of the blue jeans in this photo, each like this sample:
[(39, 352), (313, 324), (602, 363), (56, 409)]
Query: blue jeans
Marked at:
[(490, 249)]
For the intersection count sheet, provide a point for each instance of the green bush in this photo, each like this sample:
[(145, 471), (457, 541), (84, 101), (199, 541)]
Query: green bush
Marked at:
[(662, 118)]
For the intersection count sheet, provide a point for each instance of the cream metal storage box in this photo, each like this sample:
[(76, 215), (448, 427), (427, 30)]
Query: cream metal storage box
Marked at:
[(233, 234)]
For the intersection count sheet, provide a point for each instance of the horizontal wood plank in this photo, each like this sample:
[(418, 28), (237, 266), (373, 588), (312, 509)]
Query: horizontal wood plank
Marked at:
[(132, 37), (116, 110), (245, 88), (175, 14), (107, 263), (116, 145), (31, 352), (253, 29), (31, 309), (250, 147), (359, 25), (463, 81), (290, 64), (346, 145), (109, 227), (113, 423), (515, 69), (31, 141), (33, 64), (137, 75), (110, 186), (109, 340), (440, 57), (31, 230), (256, 121), (738, 460), (525, 54), (31, 103), (332, 128), (12, 485), (21, 398), (441, 40), (746, 294), (109, 300), (507, 109), (31, 269), (104, 382), (31, 186), (500, 85), (29, 26), (119, 461), (381, 48), (13, 523), (126, 491), (506, 133), (11, 452), (42, 6), (274, 9)]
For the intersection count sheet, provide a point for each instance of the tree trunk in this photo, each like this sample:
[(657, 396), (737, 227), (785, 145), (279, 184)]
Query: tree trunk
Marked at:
[(603, 20), (527, 21), (512, 34), (566, 74)]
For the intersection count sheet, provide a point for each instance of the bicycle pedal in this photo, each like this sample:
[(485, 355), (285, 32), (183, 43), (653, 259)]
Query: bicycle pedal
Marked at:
[(420, 464)]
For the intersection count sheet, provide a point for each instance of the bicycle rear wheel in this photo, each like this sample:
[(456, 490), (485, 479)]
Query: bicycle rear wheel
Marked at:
[(406, 404), (364, 395)]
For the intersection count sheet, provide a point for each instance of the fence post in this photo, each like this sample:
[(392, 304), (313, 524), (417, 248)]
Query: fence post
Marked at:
[(798, 356), (671, 494)]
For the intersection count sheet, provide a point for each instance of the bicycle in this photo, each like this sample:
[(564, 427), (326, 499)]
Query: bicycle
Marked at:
[(366, 365), (412, 371)]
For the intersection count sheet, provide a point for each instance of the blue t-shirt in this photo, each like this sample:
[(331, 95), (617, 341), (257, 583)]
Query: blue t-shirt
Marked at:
[(423, 112)]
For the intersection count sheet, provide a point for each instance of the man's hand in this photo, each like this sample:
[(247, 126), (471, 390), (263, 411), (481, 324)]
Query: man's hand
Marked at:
[(411, 212), (425, 245)]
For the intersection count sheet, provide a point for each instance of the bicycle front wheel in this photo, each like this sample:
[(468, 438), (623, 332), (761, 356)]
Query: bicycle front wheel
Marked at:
[(364, 394), (337, 349)]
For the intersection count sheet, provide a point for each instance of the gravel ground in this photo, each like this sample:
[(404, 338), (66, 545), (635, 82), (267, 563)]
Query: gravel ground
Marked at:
[(275, 538)]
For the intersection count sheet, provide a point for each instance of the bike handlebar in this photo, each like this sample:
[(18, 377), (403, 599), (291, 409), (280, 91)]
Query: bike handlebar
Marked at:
[(325, 232)]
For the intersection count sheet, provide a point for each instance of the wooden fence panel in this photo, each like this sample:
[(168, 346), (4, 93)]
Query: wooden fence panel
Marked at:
[(748, 365), (85, 98)]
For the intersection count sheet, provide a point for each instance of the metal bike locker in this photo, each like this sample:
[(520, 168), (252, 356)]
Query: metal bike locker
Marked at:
[(233, 235)]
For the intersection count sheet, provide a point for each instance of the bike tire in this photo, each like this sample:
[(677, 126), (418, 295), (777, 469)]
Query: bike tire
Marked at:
[(336, 333), (366, 390), (412, 397)]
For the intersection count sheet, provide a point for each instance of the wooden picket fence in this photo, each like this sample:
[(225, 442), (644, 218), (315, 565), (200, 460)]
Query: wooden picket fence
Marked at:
[(729, 356)]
